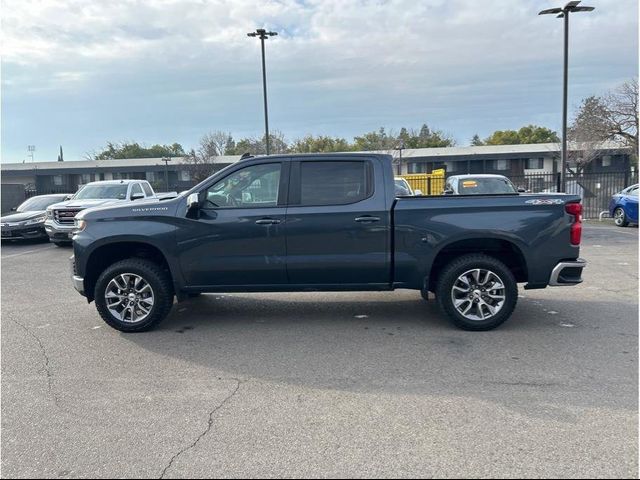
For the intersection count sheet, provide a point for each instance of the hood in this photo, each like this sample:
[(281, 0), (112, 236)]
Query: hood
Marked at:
[(88, 203), (22, 216), (138, 208)]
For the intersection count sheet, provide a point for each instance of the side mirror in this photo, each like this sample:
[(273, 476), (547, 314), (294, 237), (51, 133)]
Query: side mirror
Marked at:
[(137, 196), (522, 190), (448, 191), (193, 201), (13, 209), (68, 197), (417, 191)]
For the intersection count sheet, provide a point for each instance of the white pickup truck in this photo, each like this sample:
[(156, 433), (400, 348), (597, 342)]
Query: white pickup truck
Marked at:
[(61, 216)]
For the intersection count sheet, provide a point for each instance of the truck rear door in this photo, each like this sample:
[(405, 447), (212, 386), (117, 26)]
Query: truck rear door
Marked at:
[(337, 223)]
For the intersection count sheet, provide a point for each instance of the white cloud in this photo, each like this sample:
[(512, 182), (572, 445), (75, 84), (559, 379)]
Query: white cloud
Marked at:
[(356, 63)]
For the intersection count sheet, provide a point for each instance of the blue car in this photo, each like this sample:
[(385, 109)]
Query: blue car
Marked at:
[(623, 206)]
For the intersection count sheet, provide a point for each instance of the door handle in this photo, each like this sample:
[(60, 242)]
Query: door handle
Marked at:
[(367, 219), (267, 221)]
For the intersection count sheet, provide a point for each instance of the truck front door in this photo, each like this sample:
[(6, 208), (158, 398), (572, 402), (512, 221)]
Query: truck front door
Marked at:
[(237, 237)]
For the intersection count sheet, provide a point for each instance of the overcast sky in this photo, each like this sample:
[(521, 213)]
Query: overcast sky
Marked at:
[(81, 73)]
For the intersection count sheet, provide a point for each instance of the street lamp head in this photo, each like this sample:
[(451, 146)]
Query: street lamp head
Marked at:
[(570, 7), (262, 33)]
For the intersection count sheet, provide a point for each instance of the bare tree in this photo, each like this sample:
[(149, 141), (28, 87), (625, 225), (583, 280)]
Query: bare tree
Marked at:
[(622, 114), (612, 117), (200, 162)]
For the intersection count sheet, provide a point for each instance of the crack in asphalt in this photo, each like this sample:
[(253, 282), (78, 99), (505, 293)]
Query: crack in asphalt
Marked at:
[(207, 429), (47, 363)]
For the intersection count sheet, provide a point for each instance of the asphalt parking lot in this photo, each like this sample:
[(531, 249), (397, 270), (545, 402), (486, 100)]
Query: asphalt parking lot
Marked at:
[(322, 385)]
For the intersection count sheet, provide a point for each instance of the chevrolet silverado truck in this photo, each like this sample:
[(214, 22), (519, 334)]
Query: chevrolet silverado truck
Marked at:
[(329, 222), (59, 224)]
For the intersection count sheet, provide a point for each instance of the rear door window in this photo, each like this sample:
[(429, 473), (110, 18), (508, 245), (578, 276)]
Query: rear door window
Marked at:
[(335, 183)]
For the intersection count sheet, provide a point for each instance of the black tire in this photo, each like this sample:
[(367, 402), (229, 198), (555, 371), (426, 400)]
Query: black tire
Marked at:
[(154, 275), (449, 276), (61, 244), (620, 217)]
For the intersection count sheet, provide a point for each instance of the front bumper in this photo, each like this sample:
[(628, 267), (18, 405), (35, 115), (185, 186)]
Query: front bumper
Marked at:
[(23, 232), (78, 282), (57, 232), (567, 273)]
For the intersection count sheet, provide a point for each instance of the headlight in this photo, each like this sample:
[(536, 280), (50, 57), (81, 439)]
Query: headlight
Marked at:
[(49, 213), (80, 225), (33, 221)]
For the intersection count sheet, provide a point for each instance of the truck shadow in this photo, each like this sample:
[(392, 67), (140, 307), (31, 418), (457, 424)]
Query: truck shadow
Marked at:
[(385, 343)]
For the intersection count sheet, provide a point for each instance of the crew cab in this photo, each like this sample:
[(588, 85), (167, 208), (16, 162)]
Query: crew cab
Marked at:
[(60, 216), (326, 222)]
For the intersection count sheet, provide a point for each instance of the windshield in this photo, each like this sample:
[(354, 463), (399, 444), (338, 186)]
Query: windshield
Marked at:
[(480, 185), (402, 187), (36, 204), (115, 191)]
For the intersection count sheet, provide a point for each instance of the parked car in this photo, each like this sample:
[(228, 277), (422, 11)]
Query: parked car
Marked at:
[(481, 184), (28, 221), (623, 206), (402, 187), (324, 222), (60, 216)]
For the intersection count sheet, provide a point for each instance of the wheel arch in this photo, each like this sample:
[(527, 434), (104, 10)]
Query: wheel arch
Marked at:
[(503, 249), (106, 254)]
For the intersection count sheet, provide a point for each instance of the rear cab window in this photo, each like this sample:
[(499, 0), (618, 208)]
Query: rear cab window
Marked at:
[(148, 191)]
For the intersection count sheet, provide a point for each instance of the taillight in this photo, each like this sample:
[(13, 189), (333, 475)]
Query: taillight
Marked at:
[(575, 209)]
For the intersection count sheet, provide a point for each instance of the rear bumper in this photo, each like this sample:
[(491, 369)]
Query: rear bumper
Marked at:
[(567, 273)]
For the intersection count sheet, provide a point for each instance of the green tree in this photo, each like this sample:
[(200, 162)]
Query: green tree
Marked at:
[(124, 150), (475, 141), (321, 143), (526, 134), (376, 140), (258, 146)]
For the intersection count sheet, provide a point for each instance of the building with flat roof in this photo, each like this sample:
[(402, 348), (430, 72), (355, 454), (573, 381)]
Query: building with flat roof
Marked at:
[(509, 160)]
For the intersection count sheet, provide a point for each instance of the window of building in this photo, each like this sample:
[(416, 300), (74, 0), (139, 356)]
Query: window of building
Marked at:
[(501, 164), (535, 163), (606, 161), (334, 183), (185, 176), (57, 180)]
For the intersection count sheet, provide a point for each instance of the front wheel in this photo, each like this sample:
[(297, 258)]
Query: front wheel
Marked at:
[(133, 295), (620, 218), (477, 292)]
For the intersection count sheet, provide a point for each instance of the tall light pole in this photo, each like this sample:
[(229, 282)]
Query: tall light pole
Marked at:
[(400, 147), (563, 12), (263, 35)]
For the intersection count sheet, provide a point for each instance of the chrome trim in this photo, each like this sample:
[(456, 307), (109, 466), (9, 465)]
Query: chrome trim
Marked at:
[(78, 283), (555, 273)]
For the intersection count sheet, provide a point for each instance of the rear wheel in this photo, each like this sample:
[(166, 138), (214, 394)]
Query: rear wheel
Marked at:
[(620, 218), (477, 292), (133, 295)]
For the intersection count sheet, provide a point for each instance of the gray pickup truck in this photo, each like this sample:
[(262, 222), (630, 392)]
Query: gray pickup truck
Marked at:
[(326, 222), (59, 224)]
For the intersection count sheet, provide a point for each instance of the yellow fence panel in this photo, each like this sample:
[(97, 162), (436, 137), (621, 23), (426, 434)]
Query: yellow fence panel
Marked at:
[(428, 183)]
